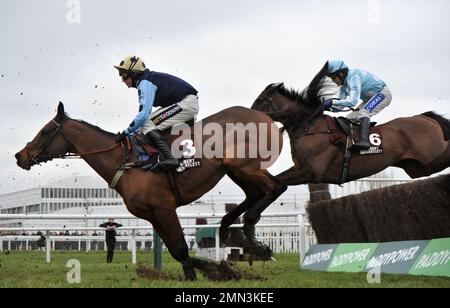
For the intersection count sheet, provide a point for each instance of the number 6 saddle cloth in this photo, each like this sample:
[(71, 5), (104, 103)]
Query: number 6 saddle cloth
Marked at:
[(340, 129)]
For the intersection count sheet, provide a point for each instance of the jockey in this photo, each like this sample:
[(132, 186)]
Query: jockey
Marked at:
[(178, 101), (358, 85)]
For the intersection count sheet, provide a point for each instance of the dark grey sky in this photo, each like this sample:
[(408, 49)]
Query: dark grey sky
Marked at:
[(229, 50)]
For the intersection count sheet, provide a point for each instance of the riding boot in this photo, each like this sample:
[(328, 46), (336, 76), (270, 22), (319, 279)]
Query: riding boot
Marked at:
[(363, 142), (169, 161)]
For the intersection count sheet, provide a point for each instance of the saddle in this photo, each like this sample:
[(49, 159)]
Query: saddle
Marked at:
[(341, 128), (344, 133), (146, 153)]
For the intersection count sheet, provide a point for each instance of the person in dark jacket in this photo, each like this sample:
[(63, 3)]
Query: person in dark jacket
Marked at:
[(110, 237)]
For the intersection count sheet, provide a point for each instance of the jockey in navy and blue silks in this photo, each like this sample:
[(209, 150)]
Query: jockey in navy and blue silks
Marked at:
[(178, 101), (158, 90), (356, 86)]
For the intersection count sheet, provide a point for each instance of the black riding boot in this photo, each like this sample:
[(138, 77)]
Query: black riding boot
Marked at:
[(169, 161), (363, 142)]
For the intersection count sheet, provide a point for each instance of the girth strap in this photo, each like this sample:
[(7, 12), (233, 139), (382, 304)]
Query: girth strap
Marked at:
[(116, 178), (347, 157), (174, 186)]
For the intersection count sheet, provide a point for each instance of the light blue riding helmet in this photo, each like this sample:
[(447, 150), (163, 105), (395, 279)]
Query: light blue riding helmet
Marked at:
[(336, 65)]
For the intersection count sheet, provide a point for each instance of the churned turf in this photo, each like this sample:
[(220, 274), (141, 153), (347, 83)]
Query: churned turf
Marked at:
[(29, 270)]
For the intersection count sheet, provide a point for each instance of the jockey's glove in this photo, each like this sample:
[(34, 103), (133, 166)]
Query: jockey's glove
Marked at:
[(327, 104), (121, 137)]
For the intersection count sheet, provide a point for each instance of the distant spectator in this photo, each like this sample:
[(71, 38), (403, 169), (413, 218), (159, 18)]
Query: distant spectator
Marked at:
[(110, 238), (41, 241)]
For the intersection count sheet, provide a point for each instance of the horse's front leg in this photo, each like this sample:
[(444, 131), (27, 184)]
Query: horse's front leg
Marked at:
[(261, 190), (252, 217), (229, 218), (167, 225), (252, 193)]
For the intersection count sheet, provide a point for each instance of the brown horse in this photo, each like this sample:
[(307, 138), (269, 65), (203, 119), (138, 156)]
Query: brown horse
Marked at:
[(151, 196), (418, 144)]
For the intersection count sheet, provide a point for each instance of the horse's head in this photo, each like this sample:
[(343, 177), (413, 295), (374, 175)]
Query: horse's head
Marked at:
[(274, 103), (49, 143), (286, 105)]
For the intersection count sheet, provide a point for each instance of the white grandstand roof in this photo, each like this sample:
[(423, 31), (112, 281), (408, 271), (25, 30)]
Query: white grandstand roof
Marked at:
[(78, 181)]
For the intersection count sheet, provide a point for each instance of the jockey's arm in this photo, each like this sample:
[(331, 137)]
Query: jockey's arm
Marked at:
[(354, 89), (147, 92)]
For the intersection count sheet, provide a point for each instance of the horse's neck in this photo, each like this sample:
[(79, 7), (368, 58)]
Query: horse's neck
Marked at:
[(85, 139), (304, 127), (317, 124)]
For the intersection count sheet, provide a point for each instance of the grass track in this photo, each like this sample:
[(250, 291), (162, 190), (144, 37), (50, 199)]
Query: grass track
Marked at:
[(28, 270)]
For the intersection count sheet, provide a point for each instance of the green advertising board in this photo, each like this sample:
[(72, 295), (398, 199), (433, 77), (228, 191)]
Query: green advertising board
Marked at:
[(431, 258), (396, 257), (351, 257), (434, 260), (319, 257)]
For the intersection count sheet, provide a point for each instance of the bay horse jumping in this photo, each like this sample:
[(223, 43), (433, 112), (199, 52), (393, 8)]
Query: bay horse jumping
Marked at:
[(149, 195), (418, 144)]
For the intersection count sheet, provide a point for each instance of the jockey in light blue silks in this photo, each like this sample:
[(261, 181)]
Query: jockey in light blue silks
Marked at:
[(358, 85)]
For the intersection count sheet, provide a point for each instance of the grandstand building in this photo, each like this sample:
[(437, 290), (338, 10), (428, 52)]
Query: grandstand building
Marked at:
[(90, 195), (78, 192)]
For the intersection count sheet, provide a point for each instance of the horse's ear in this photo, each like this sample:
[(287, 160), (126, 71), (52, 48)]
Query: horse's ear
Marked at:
[(60, 115), (279, 85), (275, 87)]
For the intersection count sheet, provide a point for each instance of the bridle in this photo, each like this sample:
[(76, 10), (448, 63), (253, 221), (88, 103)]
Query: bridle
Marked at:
[(43, 155), (291, 120), (276, 115)]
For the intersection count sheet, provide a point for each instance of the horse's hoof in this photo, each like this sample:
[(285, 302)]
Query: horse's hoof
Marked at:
[(190, 277), (257, 250)]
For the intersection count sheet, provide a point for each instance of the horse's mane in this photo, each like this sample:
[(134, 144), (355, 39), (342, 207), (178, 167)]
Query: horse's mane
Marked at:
[(309, 99), (97, 128), (291, 93), (312, 95), (312, 91), (94, 127)]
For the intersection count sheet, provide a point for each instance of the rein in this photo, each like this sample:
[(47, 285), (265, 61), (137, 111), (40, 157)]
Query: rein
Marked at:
[(327, 132), (47, 143), (44, 156), (77, 155)]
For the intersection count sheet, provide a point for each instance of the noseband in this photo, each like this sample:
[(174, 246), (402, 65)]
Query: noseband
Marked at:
[(43, 155)]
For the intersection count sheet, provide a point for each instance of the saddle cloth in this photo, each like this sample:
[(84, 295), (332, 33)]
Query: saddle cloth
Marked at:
[(339, 129), (144, 151), (148, 154)]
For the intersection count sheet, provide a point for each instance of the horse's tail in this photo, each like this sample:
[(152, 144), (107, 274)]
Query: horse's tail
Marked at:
[(443, 122)]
